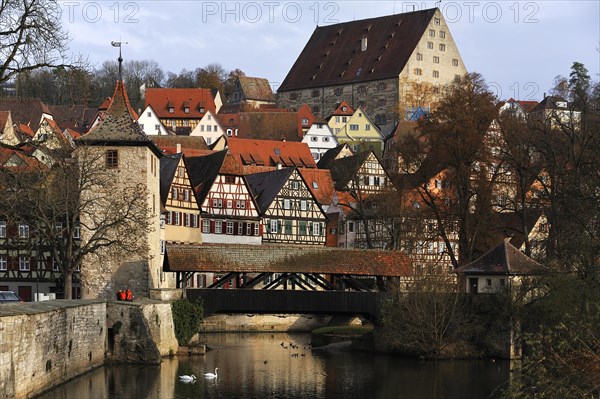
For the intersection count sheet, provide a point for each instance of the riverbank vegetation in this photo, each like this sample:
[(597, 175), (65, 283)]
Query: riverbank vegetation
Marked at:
[(187, 316)]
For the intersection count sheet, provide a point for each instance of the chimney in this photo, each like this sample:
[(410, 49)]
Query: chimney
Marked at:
[(178, 148)]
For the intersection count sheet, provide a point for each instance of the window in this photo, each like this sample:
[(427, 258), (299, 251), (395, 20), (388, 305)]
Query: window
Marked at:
[(194, 220), (455, 62), (202, 128), (367, 127), (315, 93), (229, 204), (201, 109), (156, 127), (316, 229), (325, 139), (229, 228), (77, 232), (315, 185), (142, 126), (381, 102), (314, 138), (162, 247), (295, 185), (112, 158), (287, 204), (273, 226), (218, 227), (2, 228), (55, 265), (217, 203), (488, 282), (177, 221), (23, 231), (186, 110), (442, 34), (186, 220), (337, 119), (344, 119), (436, 21), (171, 110), (169, 217), (431, 32), (248, 229), (206, 226), (256, 229), (350, 227), (186, 123), (174, 192), (419, 57), (303, 205), (208, 128), (436, 74), (302, 228), (3, 262), (23, 263), (288, 227), (353, 127), (442, 47), (304, 121), (418, 71), (430, 45), (240, 229), (436, 59), (186, 194), (149, 114)]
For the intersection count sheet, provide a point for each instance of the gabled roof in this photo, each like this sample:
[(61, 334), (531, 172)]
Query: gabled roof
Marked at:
[(331, 155), (197, 143), (256, 88), (119, 125), (180, 99), (319, 183), (26, 111), (339, 111), (271, 153), (503, 260), (527, 106), (333, 54), (203, 172), (551, 102), (344, 169), (266, 185), (168, 168), (70, 116)]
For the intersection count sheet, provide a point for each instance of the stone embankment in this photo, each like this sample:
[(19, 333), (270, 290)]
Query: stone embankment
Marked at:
[(43, 344)]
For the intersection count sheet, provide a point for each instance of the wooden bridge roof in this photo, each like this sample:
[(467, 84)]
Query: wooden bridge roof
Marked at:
[(285, 259)]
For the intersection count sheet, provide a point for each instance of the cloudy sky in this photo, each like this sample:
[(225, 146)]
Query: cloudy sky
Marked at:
[(518, 46)]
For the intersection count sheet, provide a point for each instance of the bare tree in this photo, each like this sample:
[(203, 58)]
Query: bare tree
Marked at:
[(55, 201), (31, 37)]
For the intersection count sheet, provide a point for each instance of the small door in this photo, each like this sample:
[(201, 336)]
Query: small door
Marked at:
[(473, 285), (25, 293)]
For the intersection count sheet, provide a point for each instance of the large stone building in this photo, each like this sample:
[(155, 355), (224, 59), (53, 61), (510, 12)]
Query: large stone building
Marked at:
[(374, 63)]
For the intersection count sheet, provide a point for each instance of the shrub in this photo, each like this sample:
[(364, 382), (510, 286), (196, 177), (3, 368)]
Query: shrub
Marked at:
[(186, 317)]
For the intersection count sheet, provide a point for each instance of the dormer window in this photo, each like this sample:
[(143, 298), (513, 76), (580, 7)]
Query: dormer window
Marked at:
[(171, 110), (344, 109), (201, 109), (186, 110), (561, 104)]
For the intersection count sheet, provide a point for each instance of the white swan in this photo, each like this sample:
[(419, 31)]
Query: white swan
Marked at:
[(187, 378), (212, 375)]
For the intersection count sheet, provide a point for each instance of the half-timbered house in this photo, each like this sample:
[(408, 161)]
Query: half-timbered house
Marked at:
[(290, 212), (229, 212), (182, 212)]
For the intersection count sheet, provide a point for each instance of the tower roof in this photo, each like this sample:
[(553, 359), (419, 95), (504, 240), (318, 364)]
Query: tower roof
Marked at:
[(119, 125)]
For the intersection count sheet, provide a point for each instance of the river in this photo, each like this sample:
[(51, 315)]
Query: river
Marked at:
[(281, 365)]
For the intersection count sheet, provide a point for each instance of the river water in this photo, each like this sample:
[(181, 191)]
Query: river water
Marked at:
[(280, 365)]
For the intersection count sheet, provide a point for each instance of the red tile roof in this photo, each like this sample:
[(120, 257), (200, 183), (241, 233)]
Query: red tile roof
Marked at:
[(269, 125), (339, 111), (320, 183), (179, 99), (271, 153), (26, 111)]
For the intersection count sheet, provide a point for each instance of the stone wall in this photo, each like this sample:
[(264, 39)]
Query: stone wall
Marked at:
[(46, 343), (140, 333), (263, 323), (43, 344)]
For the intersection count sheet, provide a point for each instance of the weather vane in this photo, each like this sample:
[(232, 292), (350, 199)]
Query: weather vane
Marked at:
[(120, 59)]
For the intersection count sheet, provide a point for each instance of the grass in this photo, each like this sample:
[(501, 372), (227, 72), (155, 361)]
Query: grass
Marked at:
[(344, 330)]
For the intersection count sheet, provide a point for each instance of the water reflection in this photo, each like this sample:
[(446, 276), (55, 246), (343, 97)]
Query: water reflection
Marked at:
[(284, 366)]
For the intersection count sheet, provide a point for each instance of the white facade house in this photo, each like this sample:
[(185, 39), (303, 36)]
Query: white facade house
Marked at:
[(209, 128), (320, 139), (151, 124)]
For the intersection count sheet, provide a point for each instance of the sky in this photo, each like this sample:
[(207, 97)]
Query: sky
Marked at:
[(518, 46)]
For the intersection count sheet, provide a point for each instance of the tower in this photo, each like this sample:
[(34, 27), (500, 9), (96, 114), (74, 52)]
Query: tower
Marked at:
[(123, 192)]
